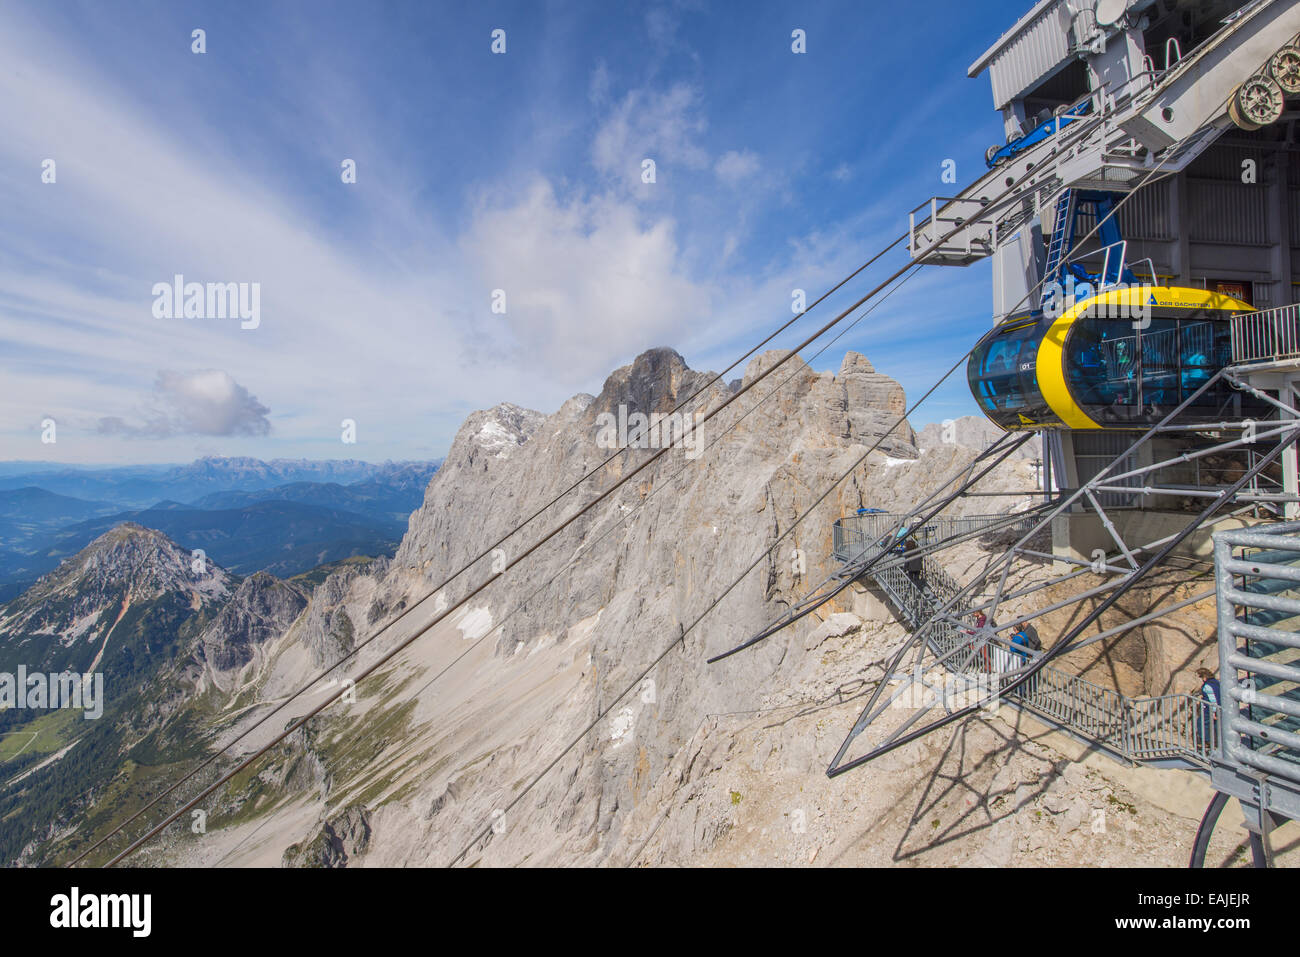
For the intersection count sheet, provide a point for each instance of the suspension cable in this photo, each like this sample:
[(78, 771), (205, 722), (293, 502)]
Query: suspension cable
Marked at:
[(682, 636), (295, 725), (632, 442)]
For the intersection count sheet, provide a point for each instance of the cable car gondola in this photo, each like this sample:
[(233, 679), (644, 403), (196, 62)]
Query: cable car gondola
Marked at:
[(1121, 359)]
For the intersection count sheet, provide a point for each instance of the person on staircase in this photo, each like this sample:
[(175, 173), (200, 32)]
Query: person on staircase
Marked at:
[(1212, 697), (1025, 644), (915, 564), (978, 643), (905, 546)]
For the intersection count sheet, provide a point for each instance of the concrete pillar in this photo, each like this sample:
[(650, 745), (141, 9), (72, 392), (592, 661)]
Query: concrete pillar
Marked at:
[(1059, 444), (1180, 254)]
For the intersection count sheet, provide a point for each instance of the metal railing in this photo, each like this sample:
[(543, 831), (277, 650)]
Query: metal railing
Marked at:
[(855, 534), (1270, 335), (1151, 268), (946, 213), (1257, 577), (1107, 277), (1172, 726)]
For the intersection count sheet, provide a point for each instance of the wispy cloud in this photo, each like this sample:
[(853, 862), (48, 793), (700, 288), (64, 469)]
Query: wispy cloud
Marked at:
[(575, 271), (663, 126), (734, 166), (208, 402), (377, 297)]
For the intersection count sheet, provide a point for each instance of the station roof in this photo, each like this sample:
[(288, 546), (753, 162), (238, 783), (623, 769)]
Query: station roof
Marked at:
[(1009, 37), (1037, 46)]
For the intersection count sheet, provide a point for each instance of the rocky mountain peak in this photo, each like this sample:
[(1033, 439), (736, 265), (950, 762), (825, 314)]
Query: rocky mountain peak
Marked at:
[(856, 406), (856, 362), (147, 561), (494, 432), (655, 381), (122, 604), (261, 608)]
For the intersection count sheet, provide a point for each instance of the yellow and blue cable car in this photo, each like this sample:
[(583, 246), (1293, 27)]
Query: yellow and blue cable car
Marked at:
[(1121, 359)]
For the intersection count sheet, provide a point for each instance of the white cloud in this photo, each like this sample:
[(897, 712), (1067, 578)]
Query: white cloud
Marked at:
[(736, 165), (587, 284), (208, 402), (661, 26), (665, 127), (78, 265), (387, 322), (599, 84)]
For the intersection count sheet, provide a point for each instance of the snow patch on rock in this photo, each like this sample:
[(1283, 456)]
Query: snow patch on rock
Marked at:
[(475, 623)]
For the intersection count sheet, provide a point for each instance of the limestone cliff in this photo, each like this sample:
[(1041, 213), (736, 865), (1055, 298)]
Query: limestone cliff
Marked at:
[(676, 761)]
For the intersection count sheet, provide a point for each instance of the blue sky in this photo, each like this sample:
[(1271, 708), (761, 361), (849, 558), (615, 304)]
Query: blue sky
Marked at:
[(476, 171)]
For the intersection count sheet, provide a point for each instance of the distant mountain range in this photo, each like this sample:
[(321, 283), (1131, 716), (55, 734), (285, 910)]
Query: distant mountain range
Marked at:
[(142, 486), (374, 498), (284, 538), (37, 506), (283, 516)]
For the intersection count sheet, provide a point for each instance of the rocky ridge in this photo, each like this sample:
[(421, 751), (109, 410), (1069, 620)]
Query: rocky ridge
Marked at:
[(697, 763), (683, 762)]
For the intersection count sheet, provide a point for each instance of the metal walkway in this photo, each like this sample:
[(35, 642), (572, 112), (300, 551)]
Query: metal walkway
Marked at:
[(1266, 336), (1172, 729)]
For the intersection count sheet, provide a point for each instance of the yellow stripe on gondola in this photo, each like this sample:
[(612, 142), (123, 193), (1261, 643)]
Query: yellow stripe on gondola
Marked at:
[(1051, 373), (1051, 353)]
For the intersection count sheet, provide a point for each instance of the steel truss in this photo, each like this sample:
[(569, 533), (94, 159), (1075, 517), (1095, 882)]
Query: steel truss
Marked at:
[(860, 563), (988, 669)]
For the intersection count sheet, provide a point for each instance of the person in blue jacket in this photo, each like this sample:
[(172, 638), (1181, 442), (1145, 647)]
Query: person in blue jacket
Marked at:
[(1020, 645), (1024, 642), (1211, 695)]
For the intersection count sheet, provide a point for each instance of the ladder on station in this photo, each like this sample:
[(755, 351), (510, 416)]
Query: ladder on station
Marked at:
[(1062, 233)]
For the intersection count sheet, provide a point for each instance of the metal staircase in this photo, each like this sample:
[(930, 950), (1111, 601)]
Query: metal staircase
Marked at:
[(1169, 730), (1250, 743)]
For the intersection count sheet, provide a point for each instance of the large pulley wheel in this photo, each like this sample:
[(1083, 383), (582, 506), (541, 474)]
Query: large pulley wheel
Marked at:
[(1257, 103), (1285, 68)]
